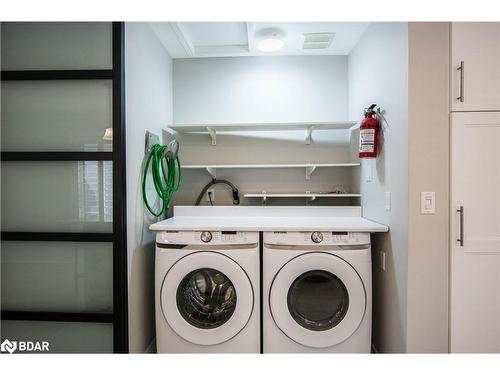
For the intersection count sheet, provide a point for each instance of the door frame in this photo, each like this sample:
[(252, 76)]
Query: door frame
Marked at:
[(119, 316)]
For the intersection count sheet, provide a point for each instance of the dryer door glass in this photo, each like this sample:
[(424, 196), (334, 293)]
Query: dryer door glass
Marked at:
[(318, 300), (206, 298)]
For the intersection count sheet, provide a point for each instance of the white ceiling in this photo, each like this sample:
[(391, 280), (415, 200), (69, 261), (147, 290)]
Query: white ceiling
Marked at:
[(211, 39)]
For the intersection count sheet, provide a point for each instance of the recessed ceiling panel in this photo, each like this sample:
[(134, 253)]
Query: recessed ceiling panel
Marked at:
[(216, 33), (219, 39)]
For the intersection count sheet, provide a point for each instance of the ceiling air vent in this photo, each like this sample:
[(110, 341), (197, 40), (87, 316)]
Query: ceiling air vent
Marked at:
[(317, 40)]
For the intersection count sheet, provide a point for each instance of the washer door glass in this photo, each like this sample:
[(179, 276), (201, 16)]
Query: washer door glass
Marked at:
[(206, 298), (318, 300)]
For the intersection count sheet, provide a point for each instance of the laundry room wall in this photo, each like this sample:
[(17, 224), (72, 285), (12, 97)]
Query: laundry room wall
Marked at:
[(378, 73), (148, 72), (263, 90), (260, 89), (429, 165)]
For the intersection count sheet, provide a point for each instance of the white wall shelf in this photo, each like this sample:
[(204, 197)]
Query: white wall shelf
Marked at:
[(309, 168), (309, 127), (308, 195)]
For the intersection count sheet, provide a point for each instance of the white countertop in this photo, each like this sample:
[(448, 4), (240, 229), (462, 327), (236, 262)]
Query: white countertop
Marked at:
[(269, 223)]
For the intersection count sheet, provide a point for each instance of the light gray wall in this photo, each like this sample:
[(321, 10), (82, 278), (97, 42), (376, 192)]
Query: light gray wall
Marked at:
[(260, 89), (263, 89), (378, 73), (148, 72), (428, 168)]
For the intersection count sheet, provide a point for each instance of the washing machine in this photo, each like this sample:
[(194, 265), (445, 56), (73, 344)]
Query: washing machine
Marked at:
[(207, 292), (317, 292)]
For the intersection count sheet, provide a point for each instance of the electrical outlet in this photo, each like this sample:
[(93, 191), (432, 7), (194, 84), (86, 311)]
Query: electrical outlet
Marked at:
[(212, 194), (382, 259)]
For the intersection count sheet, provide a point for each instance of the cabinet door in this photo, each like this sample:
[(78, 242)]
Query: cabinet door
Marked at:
[(475, 64), (475, 233)]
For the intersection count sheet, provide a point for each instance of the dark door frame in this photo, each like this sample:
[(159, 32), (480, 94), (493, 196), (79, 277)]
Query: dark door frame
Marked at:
[(119, 316)]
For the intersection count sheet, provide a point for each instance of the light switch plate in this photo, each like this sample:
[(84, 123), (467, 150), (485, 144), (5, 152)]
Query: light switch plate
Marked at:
[(427, 202), (151, 139)]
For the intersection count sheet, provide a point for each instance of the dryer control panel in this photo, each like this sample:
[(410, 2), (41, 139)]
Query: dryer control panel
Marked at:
[(319, 238), (207, 237)]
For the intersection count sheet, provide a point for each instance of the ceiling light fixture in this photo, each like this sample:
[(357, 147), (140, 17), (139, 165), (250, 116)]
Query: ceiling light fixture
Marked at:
[(270, 40)]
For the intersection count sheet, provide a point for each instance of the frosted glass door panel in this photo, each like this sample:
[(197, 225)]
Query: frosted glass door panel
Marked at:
[(63, 337), (57, 276), (56, 45), (56, 115), (57, 196)]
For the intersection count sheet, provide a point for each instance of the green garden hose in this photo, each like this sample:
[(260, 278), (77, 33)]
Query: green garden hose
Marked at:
[(167, 177)]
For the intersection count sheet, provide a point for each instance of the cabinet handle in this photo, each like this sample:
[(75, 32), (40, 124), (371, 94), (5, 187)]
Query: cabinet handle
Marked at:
[(460, 239), (461, 69)]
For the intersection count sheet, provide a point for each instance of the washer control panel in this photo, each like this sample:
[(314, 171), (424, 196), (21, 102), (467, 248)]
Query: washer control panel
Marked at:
[(207, 237), (317, 238)]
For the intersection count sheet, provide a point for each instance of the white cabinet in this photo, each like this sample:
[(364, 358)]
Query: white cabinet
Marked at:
[(475, 64), (475, 233)]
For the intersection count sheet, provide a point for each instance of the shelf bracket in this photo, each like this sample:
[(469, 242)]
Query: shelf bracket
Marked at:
[(264, 198), (309, 171), (213, 135), (212, 171), (309, 199), (312, 198), (309, 131)]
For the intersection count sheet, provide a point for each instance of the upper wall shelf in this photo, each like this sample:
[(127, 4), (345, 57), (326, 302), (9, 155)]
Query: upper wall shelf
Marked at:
[(212, 129)]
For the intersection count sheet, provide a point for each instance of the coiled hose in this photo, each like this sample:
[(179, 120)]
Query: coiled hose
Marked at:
[(167, 177)]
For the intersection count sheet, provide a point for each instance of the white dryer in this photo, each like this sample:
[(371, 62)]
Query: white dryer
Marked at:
[(207, 292), (317, 292)]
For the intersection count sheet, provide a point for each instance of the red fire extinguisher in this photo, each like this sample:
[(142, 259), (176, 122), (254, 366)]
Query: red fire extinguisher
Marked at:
[(368, 134)]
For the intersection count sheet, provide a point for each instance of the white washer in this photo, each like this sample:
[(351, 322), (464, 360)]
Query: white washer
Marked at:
[(207, 292), (317, 292)]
